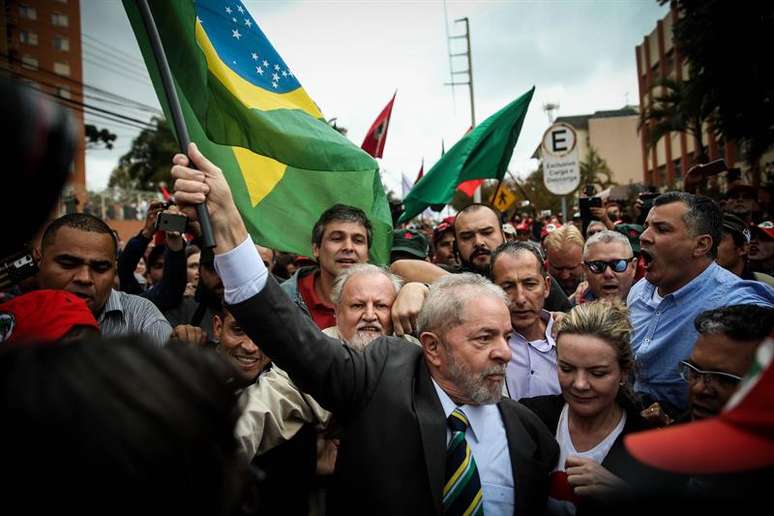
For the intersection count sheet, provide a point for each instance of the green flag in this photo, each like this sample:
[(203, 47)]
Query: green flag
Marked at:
[(247, 112), (481, 154)]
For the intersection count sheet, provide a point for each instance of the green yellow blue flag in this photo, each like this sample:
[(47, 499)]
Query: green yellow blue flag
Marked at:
[(248, 113)]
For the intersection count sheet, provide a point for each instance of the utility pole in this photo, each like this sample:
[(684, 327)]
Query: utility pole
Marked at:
[(469, 82)]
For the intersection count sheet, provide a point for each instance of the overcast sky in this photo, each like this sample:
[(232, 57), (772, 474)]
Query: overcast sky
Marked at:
[(351, 56)]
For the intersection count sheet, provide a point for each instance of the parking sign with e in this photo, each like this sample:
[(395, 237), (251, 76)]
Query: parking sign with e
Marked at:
[(561, 170)]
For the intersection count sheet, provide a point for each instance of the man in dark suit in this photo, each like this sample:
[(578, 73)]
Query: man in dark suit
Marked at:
[(399, 405)]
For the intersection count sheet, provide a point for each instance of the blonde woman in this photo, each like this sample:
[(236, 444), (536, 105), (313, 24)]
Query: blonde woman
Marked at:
[(595, 410)]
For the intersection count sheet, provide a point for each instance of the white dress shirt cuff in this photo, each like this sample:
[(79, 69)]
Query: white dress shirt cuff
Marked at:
[(242, 272)]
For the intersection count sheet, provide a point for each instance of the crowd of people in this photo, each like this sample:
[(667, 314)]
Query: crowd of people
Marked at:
[(494, 367)]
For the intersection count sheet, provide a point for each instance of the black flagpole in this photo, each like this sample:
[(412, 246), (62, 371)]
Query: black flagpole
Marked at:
[(174, 106)]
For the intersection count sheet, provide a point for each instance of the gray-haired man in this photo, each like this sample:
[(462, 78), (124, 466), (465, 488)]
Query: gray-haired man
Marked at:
[(610, 266)]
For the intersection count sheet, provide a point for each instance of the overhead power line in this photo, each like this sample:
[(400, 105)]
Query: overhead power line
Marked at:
[(89, 90)]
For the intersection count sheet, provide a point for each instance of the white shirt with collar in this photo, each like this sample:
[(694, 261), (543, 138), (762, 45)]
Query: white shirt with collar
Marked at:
[(532, 369), (489, 446)]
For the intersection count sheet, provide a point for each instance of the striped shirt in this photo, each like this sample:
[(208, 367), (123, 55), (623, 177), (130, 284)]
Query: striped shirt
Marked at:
[(127, 314)]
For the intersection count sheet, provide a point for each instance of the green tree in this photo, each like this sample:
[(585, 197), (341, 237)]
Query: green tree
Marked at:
[(97, 138), (725, 46), (536, 192), (594, 170), (147, 163), (682, 108)]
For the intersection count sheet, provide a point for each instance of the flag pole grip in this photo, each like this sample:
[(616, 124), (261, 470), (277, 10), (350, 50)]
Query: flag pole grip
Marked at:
[(174, 106)]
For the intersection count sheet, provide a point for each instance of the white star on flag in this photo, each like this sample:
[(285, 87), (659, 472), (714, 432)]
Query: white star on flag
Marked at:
[(228, 10), (235, 33), (259, 70), (248, 22), (275, 77), (239, 8), (274, 84), (255, 56), (265, 62), (277, 67), (284, 73), (233, 20)]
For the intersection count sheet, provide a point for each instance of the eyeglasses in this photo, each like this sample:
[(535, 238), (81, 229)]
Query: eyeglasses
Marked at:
[(599, 266), (691, 374)]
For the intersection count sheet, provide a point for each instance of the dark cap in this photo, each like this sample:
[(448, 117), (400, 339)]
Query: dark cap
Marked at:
[(736, 227), (632, 232), (739, 187), (409, 241)]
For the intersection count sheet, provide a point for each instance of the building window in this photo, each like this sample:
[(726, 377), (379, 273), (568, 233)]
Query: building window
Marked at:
[(61, 43), (29, 62), (64, 92), (61, 68), (59, 20), (28, 37), (27, 12)]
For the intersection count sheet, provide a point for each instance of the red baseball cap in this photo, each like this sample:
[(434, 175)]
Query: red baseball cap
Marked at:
[(43, 316), (766, 227), (441, 229), (741, 438)]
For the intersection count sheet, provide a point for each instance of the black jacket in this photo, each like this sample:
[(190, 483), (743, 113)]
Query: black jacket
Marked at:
[(393, 443)]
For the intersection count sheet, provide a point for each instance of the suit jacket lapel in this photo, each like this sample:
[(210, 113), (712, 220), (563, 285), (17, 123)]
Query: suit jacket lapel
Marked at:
[(432, 429), (520, 450)]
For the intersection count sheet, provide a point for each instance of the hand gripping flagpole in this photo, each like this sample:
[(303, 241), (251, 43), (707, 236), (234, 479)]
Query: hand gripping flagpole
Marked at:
[(174, 106)]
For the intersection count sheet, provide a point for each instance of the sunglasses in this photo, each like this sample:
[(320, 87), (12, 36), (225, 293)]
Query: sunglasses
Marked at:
[(691, 374), (599, 266)]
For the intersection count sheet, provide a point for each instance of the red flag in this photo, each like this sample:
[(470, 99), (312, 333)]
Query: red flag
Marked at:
[(469, 187), (376, 136), (421, 172)]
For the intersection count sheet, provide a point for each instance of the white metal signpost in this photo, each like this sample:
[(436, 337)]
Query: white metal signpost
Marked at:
[(561, 168)]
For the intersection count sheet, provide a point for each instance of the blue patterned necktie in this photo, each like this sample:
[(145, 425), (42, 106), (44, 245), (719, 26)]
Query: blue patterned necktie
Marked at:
[(462, 487)]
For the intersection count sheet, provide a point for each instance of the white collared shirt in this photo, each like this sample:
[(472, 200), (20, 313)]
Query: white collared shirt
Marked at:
[(532, 369), (489, 446)]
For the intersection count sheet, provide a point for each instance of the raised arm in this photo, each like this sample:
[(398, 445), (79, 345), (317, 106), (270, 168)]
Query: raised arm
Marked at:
[(336, 375)]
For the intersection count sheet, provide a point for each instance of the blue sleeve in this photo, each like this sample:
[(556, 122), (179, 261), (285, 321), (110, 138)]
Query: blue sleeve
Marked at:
[(751, 293), (127, 263)]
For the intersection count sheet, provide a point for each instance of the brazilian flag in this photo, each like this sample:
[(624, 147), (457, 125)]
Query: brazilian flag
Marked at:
[(246, 110)]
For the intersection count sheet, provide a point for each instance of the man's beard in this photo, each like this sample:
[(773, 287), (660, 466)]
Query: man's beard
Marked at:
[(361, 339), (474, 386), (483, 270)]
